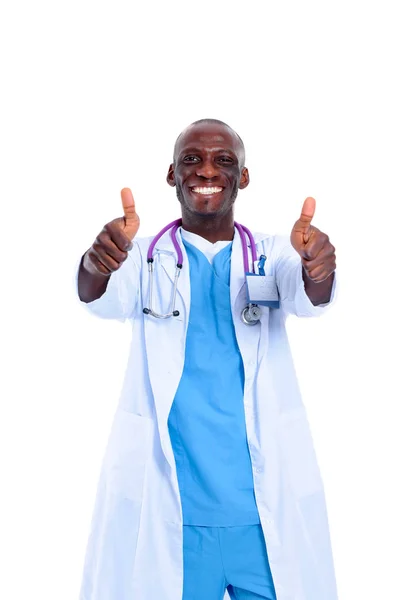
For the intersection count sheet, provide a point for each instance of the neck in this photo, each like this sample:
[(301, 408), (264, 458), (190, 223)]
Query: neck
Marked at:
[(214, 229)]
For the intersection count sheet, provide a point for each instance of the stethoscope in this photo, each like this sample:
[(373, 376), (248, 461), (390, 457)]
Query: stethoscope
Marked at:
[(250, 314)]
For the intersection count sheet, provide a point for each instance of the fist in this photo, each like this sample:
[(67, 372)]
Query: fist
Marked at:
[(110, 248), (316, 251)]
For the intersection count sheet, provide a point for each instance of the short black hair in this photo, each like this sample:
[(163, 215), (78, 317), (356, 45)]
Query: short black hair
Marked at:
[(210, 122)]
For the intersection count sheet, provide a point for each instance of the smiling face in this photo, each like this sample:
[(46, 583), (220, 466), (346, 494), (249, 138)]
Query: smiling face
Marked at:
[(208, 170)]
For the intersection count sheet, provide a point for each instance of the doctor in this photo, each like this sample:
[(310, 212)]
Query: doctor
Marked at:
[(209, 483)]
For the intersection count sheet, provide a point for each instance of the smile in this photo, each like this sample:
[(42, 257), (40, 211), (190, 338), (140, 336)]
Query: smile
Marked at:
[(207, 190)]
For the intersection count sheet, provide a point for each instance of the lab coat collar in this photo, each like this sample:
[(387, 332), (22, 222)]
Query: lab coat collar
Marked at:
[(237, 280), (165, 244)]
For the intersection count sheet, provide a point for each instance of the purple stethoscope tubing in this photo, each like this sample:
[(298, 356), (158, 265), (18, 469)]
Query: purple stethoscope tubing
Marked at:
[(174, 226)]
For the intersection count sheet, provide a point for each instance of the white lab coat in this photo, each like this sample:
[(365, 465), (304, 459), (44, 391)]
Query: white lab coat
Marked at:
[(135, 546)]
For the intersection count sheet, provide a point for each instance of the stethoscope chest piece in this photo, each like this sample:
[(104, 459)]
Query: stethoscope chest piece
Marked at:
[(251, 314)]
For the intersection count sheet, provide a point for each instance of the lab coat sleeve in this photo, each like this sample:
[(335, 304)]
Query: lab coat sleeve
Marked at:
[(289, 278), (121, 296)]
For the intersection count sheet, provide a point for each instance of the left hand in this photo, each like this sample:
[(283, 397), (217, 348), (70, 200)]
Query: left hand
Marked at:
[(317, 253)]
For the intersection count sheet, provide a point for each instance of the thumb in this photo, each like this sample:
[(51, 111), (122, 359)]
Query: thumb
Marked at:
[(301, 229), (131, 218), (307, 214)]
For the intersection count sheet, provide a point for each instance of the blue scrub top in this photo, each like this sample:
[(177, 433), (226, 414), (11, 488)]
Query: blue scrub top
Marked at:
[(207, 422)]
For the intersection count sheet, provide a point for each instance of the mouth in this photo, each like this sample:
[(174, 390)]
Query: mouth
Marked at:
[(207, 190)]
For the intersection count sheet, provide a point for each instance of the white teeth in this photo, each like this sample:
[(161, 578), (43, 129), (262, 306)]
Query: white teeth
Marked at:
[(207, 190)]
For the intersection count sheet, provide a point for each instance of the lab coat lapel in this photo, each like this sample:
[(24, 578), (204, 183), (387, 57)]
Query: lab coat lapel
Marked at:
[(168, 259), (248, 337), (166, 338), (237, 279)]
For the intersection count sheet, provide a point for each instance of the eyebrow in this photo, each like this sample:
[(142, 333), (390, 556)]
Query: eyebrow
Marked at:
[(193, 149)]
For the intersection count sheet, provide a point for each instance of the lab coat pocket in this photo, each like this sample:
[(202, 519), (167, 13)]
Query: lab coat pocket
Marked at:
[(299, 454), (127, 454)]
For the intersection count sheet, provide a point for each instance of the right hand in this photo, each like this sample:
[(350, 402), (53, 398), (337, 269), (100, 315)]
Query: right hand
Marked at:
[(110, 248)]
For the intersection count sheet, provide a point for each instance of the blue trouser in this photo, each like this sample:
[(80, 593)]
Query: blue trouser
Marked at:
[(217, 559)]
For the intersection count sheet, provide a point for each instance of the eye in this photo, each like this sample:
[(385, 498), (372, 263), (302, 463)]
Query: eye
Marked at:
[(190, 159), (225, 159)]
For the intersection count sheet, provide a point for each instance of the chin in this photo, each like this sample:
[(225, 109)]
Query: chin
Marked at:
[(207, 211), (207, 207), (200, 207)]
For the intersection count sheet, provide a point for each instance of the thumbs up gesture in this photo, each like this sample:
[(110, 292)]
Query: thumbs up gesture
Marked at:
[(131, 219), (111, 246), (316, 251)]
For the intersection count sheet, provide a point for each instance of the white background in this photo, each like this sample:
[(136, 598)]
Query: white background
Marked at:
[(93, 96)]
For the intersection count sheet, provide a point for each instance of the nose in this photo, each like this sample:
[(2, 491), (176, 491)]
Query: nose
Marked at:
[(207, 169)]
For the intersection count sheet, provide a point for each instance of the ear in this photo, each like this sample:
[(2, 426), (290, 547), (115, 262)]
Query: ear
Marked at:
[(244, 179), (171, 176)]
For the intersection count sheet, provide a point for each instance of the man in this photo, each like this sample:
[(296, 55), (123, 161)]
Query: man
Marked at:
[(210, 482)]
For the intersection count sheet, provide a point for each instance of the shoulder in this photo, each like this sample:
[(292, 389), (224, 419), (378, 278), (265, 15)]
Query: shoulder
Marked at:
[(140, 247), (273, 245), (143, 243)]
